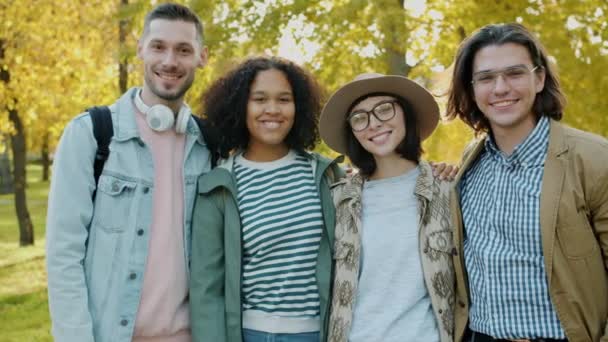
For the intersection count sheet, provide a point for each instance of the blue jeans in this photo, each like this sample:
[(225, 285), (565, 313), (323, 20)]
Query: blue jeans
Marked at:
[(260, 336)]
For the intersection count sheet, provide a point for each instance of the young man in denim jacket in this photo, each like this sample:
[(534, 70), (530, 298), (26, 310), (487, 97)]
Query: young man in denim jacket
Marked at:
[(118, 250)]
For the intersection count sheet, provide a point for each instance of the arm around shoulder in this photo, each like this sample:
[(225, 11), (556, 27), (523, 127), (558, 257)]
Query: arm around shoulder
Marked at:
[(207, 270), (70, 210)]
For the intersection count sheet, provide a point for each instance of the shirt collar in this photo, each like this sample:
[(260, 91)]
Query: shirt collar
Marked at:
[(530, 152)]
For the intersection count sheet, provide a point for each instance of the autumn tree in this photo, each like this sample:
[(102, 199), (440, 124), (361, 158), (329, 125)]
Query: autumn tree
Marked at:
[(18, 140), (56, 60), (389, 36), (350, 37)]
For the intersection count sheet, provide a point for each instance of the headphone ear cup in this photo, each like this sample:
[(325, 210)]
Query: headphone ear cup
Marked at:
[(181, 124), (160, 118)]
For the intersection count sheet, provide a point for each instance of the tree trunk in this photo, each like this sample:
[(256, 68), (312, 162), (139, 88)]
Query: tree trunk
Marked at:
[(395, 48), (123, 75), (19, 148), (26, 228), (6, 178), (44, 157), (462, 34), (397, 64)]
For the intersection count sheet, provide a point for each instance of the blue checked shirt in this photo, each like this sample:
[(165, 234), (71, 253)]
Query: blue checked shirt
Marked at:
[(500, 199)]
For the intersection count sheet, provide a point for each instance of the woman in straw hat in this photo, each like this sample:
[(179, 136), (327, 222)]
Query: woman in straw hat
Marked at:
[(393, 248)]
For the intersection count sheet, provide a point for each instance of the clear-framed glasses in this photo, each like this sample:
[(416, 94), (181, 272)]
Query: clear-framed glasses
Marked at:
[(383, 111), (512, 75)]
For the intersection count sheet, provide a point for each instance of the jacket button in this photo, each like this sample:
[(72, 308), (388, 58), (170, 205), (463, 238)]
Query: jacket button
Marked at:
[(461, 303), (140, 232), (124, 322), (146, 190), (132, 276), (115, 187), (440, 311)]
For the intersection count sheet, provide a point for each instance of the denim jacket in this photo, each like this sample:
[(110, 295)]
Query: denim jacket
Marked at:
[(97, 250)]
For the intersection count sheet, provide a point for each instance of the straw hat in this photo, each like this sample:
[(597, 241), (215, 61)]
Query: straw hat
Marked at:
[(333, 116)]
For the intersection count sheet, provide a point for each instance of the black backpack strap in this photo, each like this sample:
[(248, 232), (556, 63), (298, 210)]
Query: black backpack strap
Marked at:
[(211, 139), (103, 132)]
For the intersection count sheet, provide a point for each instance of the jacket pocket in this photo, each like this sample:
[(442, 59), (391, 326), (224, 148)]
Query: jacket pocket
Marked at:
[(575, 235), (114, 203)]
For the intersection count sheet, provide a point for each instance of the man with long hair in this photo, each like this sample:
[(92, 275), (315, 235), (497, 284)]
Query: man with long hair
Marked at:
[(532, 227)]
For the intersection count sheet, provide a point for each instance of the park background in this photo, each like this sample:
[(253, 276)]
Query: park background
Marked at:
[(59, 57)]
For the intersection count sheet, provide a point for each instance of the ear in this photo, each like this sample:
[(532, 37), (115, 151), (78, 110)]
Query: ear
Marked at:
[(203, 57), (539, 80)]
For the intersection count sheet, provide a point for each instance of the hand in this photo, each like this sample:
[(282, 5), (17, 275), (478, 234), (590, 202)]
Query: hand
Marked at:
[(348, 169), (444, 171)]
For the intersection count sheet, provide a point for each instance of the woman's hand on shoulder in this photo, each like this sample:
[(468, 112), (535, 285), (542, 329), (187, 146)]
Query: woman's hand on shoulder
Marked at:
[(444, 171)]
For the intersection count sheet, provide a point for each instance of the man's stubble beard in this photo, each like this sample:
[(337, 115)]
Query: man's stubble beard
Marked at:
[(178, 94)]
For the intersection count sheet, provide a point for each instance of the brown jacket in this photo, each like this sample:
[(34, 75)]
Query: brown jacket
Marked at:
[(435, 244), (574, 230)]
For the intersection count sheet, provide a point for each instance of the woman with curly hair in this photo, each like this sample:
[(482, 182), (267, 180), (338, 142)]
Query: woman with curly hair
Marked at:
[(394, 277), (263, 221)]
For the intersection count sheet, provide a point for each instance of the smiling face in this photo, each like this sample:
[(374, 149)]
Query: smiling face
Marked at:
[(270, 113), (171, 54), (380, 138), (507, 103)]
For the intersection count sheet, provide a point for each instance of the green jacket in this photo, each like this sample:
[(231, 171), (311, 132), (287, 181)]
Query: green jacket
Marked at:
[(216, 269)]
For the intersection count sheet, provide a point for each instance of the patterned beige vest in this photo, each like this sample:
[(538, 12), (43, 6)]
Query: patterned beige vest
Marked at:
[(435, 244)]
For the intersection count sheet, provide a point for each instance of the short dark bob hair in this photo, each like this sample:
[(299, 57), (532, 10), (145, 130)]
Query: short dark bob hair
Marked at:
[(549, 102), (170, 11), (410, 147), (225, 104)]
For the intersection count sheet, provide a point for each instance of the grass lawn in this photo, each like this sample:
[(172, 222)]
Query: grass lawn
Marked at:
[(23, 300)]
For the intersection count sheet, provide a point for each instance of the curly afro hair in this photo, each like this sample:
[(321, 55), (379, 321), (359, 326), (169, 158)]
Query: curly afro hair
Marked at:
[(225, 104)]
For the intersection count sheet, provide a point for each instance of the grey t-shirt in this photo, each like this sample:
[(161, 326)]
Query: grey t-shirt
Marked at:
[(392, 302)]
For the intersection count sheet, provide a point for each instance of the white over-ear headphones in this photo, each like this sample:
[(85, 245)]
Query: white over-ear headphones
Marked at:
[(161, 118)]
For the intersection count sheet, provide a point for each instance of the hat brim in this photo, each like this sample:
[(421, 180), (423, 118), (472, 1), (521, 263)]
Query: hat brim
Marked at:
[(333, 117)]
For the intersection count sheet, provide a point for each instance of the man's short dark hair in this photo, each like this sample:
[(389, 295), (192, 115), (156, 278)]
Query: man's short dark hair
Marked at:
[(409, 148), (171, 11), (549, 102)]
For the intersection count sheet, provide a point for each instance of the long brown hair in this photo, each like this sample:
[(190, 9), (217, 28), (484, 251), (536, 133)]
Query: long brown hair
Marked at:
[(549, 102)]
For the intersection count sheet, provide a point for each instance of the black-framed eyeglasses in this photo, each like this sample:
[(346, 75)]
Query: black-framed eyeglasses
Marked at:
[(383, 111)]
